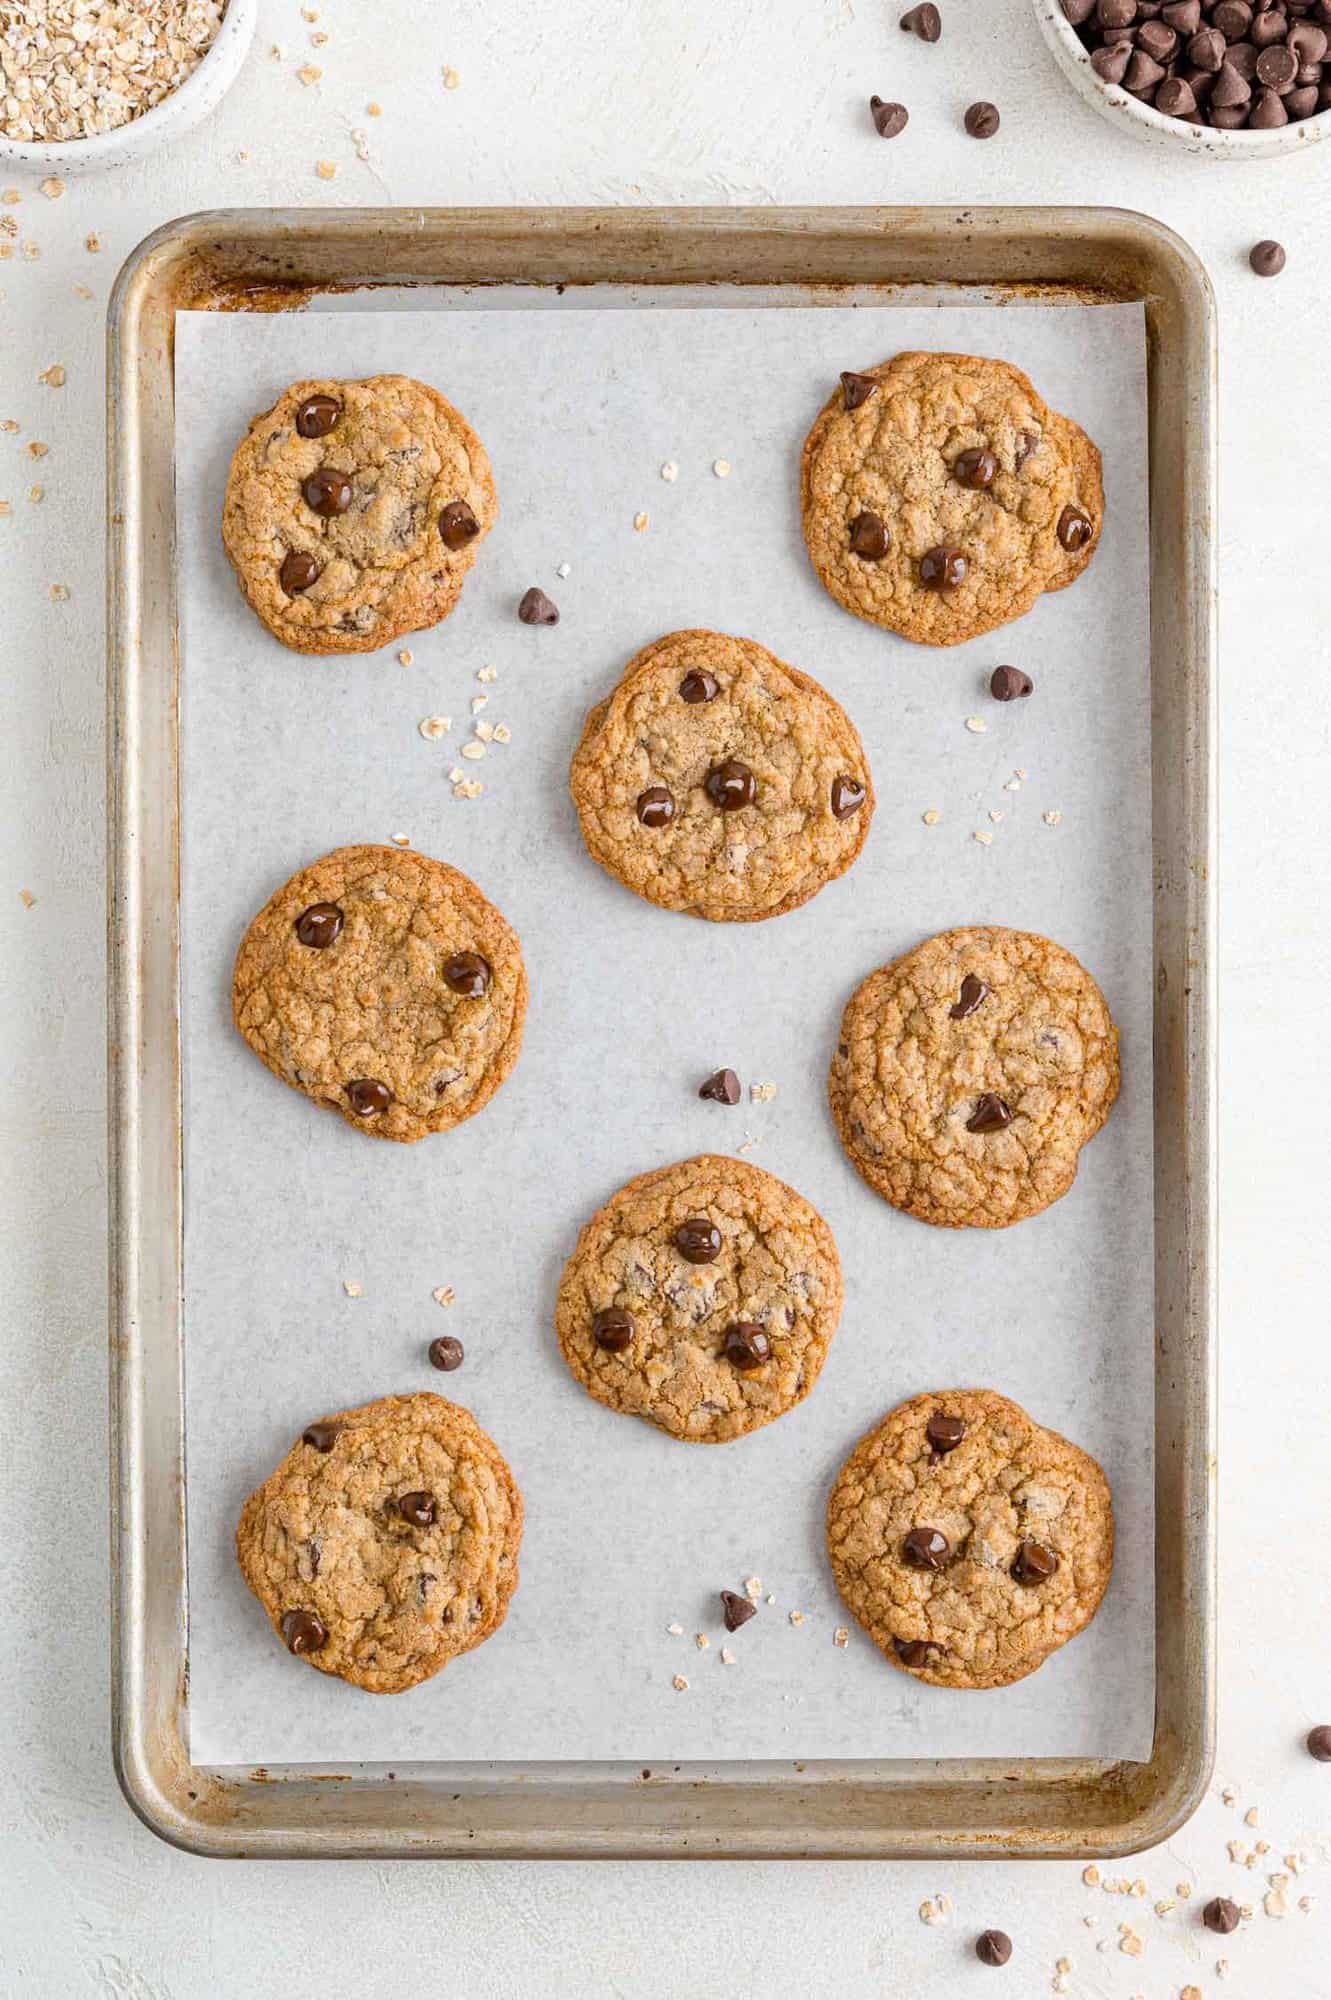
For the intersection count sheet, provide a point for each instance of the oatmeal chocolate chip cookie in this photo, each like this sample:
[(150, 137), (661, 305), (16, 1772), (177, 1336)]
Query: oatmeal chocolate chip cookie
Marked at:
[(970, 1073), (386, 1542), (969, 1541), (941, 496), (354, 510), (384, 984), (702, 1297), (718, 781)]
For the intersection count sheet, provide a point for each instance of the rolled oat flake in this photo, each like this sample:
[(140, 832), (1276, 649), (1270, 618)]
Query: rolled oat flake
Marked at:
[(69, 70)]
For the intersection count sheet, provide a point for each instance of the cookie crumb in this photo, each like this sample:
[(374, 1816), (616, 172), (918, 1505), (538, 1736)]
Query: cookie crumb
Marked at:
[(36, 493), (52, 187), (1190, 1993), (1053, 817), (326, 169), (976, 725), (762, 1093), (679, 1684), (1091, 1876), (432, 727), (451, 79), (1129, 1942), (5, 508), (485, 732), (932, 816), (701, 1641), (797, 1617), (841, 1637), (721, 467), (1250, 1817), (1228, 1795), (487, 673), (37, 449), (59, 593), (670, 472), (443, 1295), (641, 522), (352, 1289), (28, 900), (309, 73)]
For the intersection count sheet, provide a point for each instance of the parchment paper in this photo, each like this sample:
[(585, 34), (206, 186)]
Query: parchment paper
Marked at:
[(285, 757)]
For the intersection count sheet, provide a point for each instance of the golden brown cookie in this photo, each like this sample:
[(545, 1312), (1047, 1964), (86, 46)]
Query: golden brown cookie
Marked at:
[(970, 1073), (703, 1297), (354, 510), (386, 1542), (718, 781), (969, 1541), (384, 984), (941, 496)]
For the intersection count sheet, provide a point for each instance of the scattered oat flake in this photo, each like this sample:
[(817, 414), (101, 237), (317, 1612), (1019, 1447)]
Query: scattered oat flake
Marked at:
[(37, 449), (318, 39), (435, 726), (1053, 817), (1183, 1890), (931, 817), (278, 52), (1190, 1993), (326, 169), (1250, 1817), (443, 1295), (30, 251), (60, 593), (1305, 1904), (641, 522), (11, 195), (1129, 1942), (92, 241), (1165, 1905), (930, 1913), (721, 467), (54, 376), (995, 816), (753, 1588), (670, 472), (1228, 1796), (762, 1093), (675, 1629), (1262, 1847), (53, 187), (503, 734), (82, 291), (563, 569), (680, 1684), (1090, 1875), (841, 1637), (5, 508), (309, 73), (1273, 1902), (976, 725), (406, 657), (28, 901), (352, 1289), (10, 424), (701, 1641), (797, 1617), (1012, 785), (36, 493), (985, 839), (374, 110), (473, 750), (1222, 1968), (478, 702), (309, 13), (400, 839), (1139, 1888), (456, 775), (727, 1657), (487, 673), (451, 79), (470, 789)]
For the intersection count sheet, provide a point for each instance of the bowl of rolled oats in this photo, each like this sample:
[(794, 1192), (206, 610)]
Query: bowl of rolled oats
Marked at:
[(97, 83)]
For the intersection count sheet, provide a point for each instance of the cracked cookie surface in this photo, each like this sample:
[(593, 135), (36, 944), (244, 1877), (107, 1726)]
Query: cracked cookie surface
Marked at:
[(894, 459), (377, 970), (395, 1529), (674, 1359), (718, 781), (417, 501), (1018, 1522), (970, 1073)]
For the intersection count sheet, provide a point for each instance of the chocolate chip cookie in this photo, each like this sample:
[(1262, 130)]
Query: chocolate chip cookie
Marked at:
[(718, 781), (384, 984), (970, 1073), (703, 1297), (354, 510), (386, 1542), (941, 496), (969, 1541)]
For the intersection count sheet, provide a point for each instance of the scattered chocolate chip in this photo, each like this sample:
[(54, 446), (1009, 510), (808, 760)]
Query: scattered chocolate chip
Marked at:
[(317, 416), (730, 786), (327, 492), (1222, 1916), (924, 21), (993, 1947), (321, 1436), (889, 120), (299, 570), (736, 1610), (613, 1329), (1220, 62), (991, 1114), (942, 568), (847, 796), (446, 1353), (975, 468), (1267, 258), (926, 1548), (366, 1096), (1074, 529), (1034, 1563), (721, 1087), (656, 807), (745, 1344), (1009, 683), (982, 120), (418, 1508), (699, 686), (698, 1240), (458, 525), (973, 991), (869, 537), (535, 608), (467, 973), (319, 926), (912, 1652), (944, 1432), (857, 389), (1318, 1743), (303, 1631)]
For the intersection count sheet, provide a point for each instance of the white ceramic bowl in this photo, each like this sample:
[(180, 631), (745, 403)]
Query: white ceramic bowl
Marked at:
[(1124, 110), (201, 92)]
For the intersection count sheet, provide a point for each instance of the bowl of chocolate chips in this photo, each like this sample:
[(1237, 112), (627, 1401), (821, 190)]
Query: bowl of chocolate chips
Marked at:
[(1238, 79)]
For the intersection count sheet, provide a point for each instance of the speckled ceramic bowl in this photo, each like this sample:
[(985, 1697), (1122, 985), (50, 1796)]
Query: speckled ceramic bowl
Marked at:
[(1122, 109)]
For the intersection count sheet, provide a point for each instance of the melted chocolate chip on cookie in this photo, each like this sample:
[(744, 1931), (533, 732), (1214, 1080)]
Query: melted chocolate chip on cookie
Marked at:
[(944, 1432), (317, 416), (869, 537), (327, 492), (458, 525), (467, 973), (367, 1097), (942, 568), (976, 469), (848, 795), (613, 1329), (319, 926), (299, 570), (655, 808), (991, 1114), (699, 686), (926, 1548), (730, 786), (303, 1631), (973, 994), (856, 389), (1034, 1563), (418, 1508), (1074, 529), (746, 1345), (698, 1240), (320, 1436)]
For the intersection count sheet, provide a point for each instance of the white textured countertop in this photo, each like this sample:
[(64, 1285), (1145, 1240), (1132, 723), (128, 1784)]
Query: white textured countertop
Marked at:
[(668, 101)]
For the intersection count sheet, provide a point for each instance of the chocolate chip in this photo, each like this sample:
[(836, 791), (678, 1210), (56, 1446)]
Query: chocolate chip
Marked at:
[(847, 796), (1009, 683), (1185, 15), (1307, 40), (991, 1114), (889, 121), (1318, 1743), (418, 1508), (942, 568), (698, 1240), (1074, 529), (1268, 28), (319, 926), (1267, 258), (321, 1436), (746, 1345), (1228, 118), (613, 1329), (299, 570), (993, 1947), (467, 973), (857, 389), (924, 21), (721, 1087), (535, 608), (1158, 39), (981, 120), (367, 1097), (1142, 73), (458, 525), (698, 686), (1176, 98), (973, 992), (1222, 1916), (944, 1432), (1028, 443), (1301, 103), (730, 786), (1206, 50), (869, 537), (446, 1353), (1277, 67), (317, 415), (1078, 11), (1110, 64), (1233, 18), (975, 468), (1242, 56), (303, 1631), (926, 1548), (912, 1652), (736, 1610), (1268, 112), (1116, 13), (327, 492), (656, 807), (1034, 1563)]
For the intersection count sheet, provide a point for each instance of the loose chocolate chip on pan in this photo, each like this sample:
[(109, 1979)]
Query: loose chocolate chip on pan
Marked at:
[(656, 807), (926, 1548), (847, 796), (535, 608), (942, 568), (1267, 258), (973, 993), (321, 1436), (317, 415), (327, 492), (889, 121), (1318, 1743), (613, 1329), (1009, 683), (993, 1947), (924, 21), (458, 525), (745, 1345), (730, 786), (446, 1353), (698, 686), (418, 1508), (982, 120), (367, 1097), (299, 570), (975, 468), (945, 1432), (697, 1240), (1222, 1915), (991, 1114), (303, 1631), (1034, 1563), (467, 973), (1074, 529), (319, 926), (869, 537), (912, 1652), (736, 1610), (721, 1087), (857, 389)]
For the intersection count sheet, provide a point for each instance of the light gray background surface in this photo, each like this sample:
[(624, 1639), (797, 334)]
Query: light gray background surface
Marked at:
[(672, 101)]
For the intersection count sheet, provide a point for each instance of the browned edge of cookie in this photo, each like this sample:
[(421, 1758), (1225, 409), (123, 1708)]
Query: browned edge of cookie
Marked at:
[(1087, 465)]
